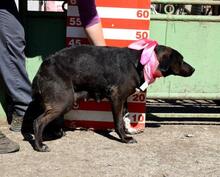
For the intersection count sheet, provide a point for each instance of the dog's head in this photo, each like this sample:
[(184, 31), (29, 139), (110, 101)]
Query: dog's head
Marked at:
[(171, 62)]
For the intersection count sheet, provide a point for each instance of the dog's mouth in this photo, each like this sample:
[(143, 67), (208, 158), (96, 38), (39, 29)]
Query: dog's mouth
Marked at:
[(186, 71)]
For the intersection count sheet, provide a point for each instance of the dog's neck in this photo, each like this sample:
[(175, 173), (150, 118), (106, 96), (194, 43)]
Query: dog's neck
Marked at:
[(148, 59), (153, 70), (157, 74)]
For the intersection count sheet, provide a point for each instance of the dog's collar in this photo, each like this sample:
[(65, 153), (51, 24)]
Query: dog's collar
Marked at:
[(148, 60)]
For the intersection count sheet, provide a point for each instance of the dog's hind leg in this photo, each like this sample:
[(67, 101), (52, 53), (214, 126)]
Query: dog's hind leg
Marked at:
[(33, 111), (51, 113), (55, 104)]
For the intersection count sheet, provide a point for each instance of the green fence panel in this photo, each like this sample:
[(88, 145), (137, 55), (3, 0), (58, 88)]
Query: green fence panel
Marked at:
[(199, 42), (45, 33)]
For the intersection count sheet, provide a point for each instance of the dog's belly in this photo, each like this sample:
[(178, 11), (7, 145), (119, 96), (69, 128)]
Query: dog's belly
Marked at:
[(92, 93)]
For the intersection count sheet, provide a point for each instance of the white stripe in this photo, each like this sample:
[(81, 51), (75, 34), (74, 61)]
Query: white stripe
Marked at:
[(122, 34), (100, 116), (109, 33), (117, 13), (72, 11), (89, 115), (123, 13), (75, 32)]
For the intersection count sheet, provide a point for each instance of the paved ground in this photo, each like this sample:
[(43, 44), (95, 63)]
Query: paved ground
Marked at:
[(167, 151)]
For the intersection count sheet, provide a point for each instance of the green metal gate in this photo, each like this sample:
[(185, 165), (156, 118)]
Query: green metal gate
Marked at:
[(197, 37)]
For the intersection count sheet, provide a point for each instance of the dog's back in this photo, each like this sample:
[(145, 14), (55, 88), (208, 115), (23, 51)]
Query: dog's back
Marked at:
[(90, 68)]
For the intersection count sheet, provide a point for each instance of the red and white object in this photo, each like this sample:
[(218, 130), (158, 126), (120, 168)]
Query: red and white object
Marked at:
[(123, 21), (92, 114)]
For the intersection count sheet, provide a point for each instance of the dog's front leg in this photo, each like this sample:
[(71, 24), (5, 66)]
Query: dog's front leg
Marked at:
[(117, 110)]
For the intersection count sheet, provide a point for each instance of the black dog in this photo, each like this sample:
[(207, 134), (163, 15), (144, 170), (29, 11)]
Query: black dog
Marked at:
[(95, 72)]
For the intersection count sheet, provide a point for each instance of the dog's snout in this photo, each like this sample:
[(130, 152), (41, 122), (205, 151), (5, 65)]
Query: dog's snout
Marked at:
[(186, 70), (193, 70), (189, 71)]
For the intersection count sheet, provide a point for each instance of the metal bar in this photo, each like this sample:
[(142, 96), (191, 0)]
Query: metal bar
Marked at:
[(199, 18), (184, 115), (200, 96), (180, 122), (205, 2)]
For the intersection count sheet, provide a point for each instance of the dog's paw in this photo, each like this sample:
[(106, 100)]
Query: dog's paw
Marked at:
[(27, 136), (129, 140), (52, 135), (133, 131), (43, 148)]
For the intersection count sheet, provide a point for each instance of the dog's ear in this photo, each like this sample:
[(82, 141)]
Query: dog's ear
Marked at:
[(165, 63), (164, 57)]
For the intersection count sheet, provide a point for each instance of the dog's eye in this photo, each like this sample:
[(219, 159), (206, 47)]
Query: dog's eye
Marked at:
[(181, 62)]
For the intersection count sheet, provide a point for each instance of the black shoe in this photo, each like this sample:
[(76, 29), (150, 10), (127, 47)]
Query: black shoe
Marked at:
[(16, 123), (7, 145)]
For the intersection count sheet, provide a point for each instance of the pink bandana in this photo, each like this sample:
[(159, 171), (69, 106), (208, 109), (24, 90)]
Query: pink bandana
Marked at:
[(148, 59)]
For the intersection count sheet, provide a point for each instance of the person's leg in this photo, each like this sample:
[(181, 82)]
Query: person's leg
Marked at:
[(7, 145), (91, 21), (12, 68)]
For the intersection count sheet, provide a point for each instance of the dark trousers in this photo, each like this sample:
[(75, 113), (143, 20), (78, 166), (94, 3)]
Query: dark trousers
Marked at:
[(12, 63)]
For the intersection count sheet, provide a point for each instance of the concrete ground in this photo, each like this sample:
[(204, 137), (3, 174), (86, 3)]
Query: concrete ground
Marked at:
[(166, 151)]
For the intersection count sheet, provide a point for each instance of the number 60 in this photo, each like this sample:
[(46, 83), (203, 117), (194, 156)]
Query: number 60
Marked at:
[(143, 14)]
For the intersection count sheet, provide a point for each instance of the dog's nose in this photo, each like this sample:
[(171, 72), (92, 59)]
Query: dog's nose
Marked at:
[(191, 71), (188, 72)]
